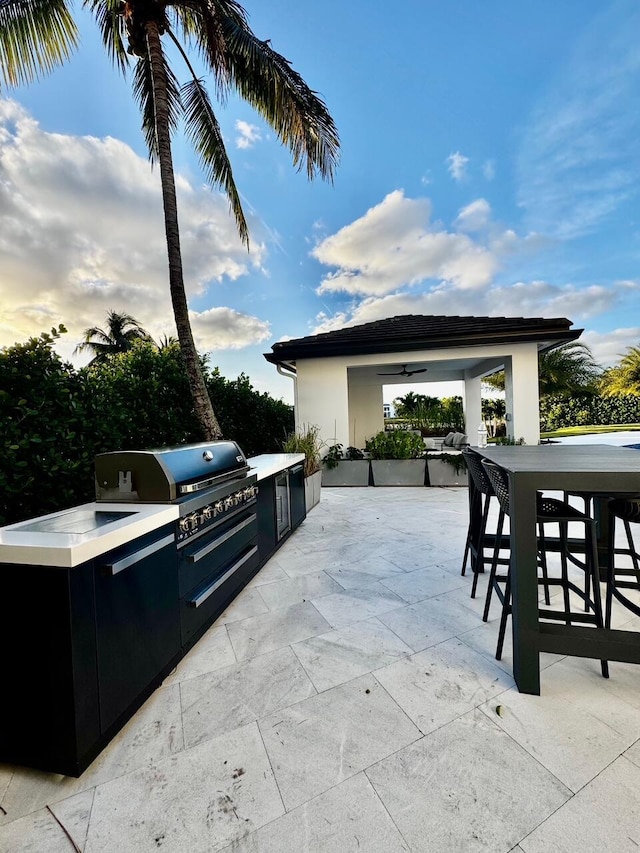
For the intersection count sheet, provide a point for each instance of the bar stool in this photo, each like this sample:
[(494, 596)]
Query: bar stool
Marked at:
[(549, 511), (621, 577), (480, 500)]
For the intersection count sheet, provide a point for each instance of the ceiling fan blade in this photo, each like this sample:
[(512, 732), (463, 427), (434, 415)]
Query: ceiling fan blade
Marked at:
[(404, 372)]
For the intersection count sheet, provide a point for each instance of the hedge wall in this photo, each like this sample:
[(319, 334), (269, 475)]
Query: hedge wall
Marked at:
[(54, 419), (557, 412)]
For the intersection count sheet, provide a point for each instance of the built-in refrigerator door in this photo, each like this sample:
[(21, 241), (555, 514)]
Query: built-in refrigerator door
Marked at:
[(283, 512)]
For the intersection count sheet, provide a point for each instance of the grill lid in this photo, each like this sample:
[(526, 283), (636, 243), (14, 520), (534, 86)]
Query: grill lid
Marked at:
[(168, 473)]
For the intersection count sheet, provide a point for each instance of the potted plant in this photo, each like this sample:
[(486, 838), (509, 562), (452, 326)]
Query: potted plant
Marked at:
[(344, 468), (446, 469), (397, 458), (308, 441)]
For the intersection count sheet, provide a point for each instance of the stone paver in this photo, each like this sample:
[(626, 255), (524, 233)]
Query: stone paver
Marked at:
[(415, 740)]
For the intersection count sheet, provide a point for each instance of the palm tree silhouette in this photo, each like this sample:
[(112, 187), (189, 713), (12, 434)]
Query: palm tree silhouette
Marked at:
[(122, 330), (37, 35)]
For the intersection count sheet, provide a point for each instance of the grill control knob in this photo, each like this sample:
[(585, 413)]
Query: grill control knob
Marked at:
[(218, 508), (194, 520), (229, 502), (184, 525), (207, 512)]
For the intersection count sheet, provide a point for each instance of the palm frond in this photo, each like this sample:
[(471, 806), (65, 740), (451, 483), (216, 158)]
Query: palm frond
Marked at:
[(204, 131), (143, 93), (266, 80), (204, 25), (109, 18), (35, 37)]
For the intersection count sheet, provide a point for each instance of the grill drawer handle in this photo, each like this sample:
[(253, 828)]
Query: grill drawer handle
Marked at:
[(132, 559), (198, 555), (200, 599), (296, 469)]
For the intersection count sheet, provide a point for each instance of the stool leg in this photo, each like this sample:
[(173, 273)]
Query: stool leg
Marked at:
[(467, 547), (564, 545), (542, 553), (591, 555), (479, 567), (494, 566), (610, 570), (506, 610)]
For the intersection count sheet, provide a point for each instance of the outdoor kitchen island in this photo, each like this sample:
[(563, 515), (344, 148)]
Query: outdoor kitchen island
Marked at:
[(100, 602)]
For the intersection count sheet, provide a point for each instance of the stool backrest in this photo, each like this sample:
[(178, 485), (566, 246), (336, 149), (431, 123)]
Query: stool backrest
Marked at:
[(474, 466), (500, 482)]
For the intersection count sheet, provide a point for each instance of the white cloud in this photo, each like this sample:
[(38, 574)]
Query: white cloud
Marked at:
[(248, 134), (579, 158), (489, 169), (532, 299), (457, 165), (475, 216), (224, 328), (81, 233), (609, 347), (392, 246)]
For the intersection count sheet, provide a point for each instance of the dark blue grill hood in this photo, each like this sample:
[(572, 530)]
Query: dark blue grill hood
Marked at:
[(168, 473)]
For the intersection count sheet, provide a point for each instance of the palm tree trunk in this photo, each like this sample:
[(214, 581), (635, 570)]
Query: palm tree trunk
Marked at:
[(201, 401)]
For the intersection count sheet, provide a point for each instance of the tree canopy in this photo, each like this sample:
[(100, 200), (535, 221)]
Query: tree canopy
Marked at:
[(122, 330), (37, 35), (623, 378), (567, 369)]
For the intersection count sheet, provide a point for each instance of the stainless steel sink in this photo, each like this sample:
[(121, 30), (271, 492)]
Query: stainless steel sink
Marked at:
[(76, 521)]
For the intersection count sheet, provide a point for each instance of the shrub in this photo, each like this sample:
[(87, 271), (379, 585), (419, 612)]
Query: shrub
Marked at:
[(306, 441), (55, 419), (395, 445), (46, 460)]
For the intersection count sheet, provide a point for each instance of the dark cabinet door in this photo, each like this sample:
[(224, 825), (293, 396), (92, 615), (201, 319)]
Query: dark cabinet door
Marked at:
[(137, 619), (296, 495), (267, 536)]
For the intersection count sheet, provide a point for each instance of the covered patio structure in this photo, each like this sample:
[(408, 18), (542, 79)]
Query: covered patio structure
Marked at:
[(338, 376)]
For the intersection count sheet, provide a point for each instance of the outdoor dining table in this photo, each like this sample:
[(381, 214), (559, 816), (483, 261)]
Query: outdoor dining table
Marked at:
[(602, 469)]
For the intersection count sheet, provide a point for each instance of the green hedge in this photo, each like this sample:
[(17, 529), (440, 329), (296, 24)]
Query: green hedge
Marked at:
[(558, 412), (55, 419)]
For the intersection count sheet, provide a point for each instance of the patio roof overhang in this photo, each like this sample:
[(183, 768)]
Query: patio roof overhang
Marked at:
[(424, 332), (339, 376)]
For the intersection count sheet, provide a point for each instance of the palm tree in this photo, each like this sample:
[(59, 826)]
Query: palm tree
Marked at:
[(567, 369), (122, 330), (624, 378), (35, 35)]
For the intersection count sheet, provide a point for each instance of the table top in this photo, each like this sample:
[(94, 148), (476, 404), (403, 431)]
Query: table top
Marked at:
[(564, 458)]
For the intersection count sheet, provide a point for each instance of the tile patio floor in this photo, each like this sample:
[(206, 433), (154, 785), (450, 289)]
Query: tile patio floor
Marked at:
[(348, 701)]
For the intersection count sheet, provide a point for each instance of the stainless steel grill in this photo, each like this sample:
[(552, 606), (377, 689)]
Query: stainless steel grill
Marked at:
[(216, 533), (167, 474)]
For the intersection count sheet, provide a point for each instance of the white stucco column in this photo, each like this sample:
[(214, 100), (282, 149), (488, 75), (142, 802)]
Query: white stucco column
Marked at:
[(521, 394), (322, 399), (472, 407), (366, 415)]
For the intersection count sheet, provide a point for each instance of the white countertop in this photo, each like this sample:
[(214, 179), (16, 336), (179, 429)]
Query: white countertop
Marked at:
[(268, 464), (82, 540), (73, 537)]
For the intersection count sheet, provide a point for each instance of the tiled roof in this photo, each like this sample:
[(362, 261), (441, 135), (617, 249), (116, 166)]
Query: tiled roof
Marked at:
[(421, 331)]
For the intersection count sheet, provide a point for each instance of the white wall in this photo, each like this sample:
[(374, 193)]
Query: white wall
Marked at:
[(322, 398), (346, 403), (472, 407), (521, 394), (366, 415)]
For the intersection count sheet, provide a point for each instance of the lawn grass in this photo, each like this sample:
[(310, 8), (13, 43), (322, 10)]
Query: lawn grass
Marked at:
[(589, 430)]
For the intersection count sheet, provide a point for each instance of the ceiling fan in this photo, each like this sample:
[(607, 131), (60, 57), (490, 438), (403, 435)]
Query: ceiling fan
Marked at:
[(405, 372)]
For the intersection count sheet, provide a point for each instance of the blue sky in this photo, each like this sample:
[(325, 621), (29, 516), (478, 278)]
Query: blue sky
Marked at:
[(490, 165)]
